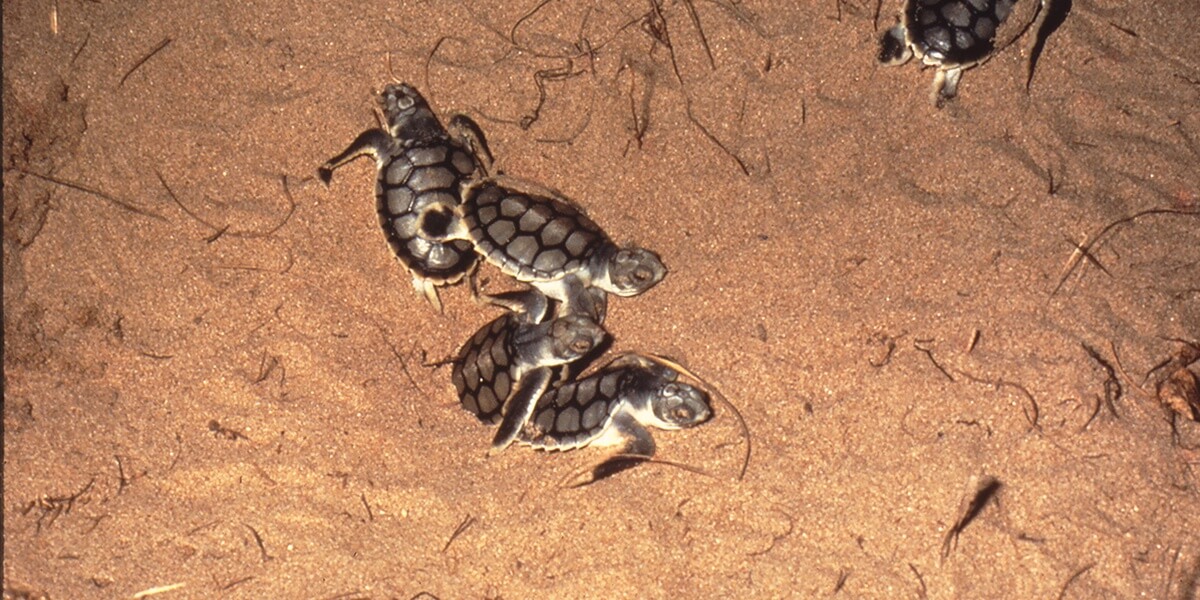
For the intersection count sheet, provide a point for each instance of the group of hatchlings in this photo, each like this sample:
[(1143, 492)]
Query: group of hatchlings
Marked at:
[(443, 209)]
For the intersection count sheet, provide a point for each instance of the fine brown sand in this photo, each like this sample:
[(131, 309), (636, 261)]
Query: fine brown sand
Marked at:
[(217, 378)]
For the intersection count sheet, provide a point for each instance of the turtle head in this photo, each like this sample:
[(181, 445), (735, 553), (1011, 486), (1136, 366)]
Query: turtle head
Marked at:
[(893, 46), (678, 406), (653, 391), (574, 336), (408, 114), (632, 271)]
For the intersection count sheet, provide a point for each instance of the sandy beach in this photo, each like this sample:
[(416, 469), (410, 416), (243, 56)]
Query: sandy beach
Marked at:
[(945, 328)]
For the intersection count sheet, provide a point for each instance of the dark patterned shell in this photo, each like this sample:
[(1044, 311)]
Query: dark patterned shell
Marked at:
[(956, 32), (496, 359), (419, 179), (481, 373), (574, 414), (530, 237)]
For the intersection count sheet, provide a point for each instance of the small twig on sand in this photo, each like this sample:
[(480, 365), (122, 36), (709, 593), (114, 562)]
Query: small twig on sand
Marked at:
[(1063, 592), (655, 25), (87, 190), (980, 490), (843, 576), (370, 513), (1121, 368), (234, 583), (463, 526), (922, 593), (154, 591), (919, 345), (137, 65), (1112, 385), (1084, 249), (218, 229), (691, 8), (52, 507), (404, 365), (261, 546)]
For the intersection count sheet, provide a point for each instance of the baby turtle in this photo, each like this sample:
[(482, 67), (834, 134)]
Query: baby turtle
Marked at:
[(614, 407), (421, 166), (509, 363), (955, 35), (549, 243)]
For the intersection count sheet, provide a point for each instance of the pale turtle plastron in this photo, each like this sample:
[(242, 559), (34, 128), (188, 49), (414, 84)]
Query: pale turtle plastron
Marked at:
[(547, 242), (956, 35), (421, 167), (502, 371), (615, 407)]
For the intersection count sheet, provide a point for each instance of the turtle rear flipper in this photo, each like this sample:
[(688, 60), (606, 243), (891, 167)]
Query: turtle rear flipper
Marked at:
[(428, 289), (520, 405), (636, 446)]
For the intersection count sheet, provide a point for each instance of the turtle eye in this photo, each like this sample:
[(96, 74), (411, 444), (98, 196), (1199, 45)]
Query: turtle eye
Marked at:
[(405, 102), (681, 414), (581, 345)]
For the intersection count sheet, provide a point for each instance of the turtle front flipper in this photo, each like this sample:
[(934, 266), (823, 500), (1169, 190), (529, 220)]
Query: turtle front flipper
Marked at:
[(592, 302), (576, 296), (428, 289), (636, 447), (467, 132), (372, 141), (531, 303), (520, 405)]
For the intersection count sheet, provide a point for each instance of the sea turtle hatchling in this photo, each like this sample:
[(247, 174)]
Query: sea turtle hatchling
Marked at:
[(506, 366), (955, 35), (549, 243), (614, 407), (421, 166)]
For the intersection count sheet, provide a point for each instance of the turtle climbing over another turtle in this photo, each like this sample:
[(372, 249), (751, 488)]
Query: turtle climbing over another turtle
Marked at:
[(544, 240), (421, 167), (955, 35), (502, 371), (615, 407)]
